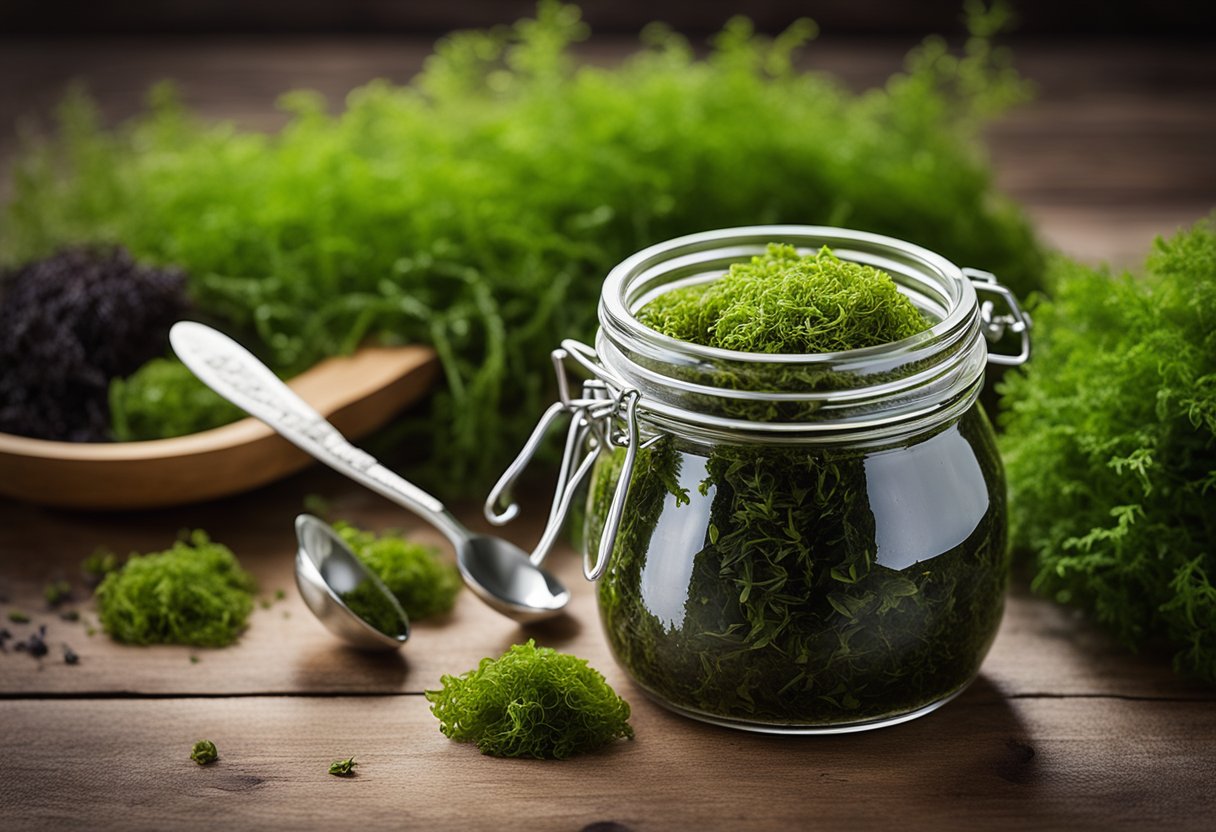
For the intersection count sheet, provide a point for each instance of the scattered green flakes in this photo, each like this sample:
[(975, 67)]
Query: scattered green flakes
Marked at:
[(1110, 447), (782, 302), (265, 603), (56, 592), (90, 631), (18, 617), (194, 593), (193, 659), (531, 702), (423, 582), (71, 616), (369, 602), (204, 752), (343, 768), (96, 566), (540, 174), (280, 594)]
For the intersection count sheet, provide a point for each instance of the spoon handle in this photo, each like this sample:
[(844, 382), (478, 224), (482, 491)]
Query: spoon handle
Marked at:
[(230, 370)]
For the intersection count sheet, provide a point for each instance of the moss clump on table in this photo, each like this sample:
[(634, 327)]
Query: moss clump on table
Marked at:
[(424, 584), (531, 702), (478, 208), (786, 615), (194, 593), (1110, 447), (204, 752)]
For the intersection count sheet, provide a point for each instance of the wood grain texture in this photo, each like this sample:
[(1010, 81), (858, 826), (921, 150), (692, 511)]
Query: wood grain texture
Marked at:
[(982, 763)]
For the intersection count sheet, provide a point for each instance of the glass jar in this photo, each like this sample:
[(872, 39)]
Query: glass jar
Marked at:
[(793, 543)]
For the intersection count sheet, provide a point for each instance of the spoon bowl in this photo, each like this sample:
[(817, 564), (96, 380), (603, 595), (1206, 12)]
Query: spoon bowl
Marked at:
[(503, 575), (327, 572)]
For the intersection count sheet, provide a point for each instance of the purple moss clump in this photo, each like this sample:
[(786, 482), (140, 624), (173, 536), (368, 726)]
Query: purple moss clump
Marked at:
[(68, 325)]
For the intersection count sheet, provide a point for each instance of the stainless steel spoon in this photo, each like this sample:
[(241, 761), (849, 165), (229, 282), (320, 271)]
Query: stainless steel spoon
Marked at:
[(497, 571), (327, 571)]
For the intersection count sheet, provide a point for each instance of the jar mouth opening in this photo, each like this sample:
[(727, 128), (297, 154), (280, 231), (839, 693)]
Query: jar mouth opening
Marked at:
[(930, 371), (945, 299)]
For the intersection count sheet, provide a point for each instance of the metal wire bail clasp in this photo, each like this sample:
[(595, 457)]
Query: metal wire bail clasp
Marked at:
[(602, 417), (995, 325)]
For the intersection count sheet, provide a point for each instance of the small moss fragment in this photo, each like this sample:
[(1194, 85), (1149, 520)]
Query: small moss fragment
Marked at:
[(204, 752), (343, 768), (18, 617), (56, 592), (422, 581), (96, 566), (531, 702)]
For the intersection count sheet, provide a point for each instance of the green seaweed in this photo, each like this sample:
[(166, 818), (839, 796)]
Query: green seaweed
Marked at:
[(163, 399), (1110, 445), (531, 702), (343, 768), (424, 584), (478, 208), (788, 614), (194, 593), (783, 302), (369, 602)]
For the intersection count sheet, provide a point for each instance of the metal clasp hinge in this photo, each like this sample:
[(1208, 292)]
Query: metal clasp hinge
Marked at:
[(996, 324), (602, 417)]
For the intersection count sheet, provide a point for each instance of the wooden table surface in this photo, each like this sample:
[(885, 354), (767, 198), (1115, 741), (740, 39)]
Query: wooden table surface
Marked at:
[(1063, 728)]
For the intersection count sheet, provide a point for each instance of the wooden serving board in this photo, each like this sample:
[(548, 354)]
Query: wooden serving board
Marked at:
[(358, 393)]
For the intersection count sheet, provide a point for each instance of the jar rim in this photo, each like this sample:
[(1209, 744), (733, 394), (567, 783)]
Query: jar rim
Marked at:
[(615, 306), (921, 379)]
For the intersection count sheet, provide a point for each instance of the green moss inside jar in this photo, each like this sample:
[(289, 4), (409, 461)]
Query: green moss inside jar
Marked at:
[(814, 533)]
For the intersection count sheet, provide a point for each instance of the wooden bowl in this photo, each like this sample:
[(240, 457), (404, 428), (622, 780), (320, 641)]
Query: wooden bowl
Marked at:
[(358, 393)]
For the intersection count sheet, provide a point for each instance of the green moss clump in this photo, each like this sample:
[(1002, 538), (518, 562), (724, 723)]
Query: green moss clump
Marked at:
[(531, 702), (162, 399), (423, 582), (370, 603), (343, 768), (194, 593), (783, 302), (1110, 447), (204, 752)]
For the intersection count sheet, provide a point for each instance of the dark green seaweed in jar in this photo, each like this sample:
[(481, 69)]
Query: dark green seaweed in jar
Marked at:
[(796, 512), (796, 586)]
